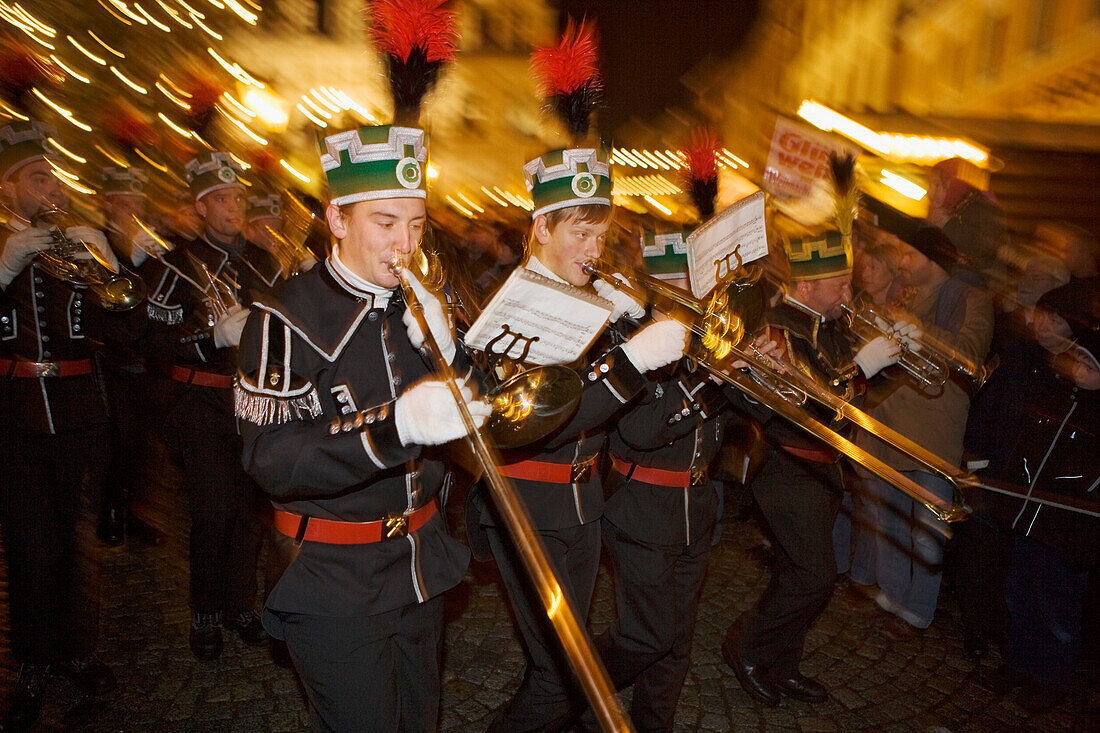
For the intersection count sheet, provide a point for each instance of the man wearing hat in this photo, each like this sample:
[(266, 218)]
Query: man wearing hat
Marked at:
[(51, 426), (908, 554), (340, 408), (265, 228), (798, 488), (557, 477), (199, 298)]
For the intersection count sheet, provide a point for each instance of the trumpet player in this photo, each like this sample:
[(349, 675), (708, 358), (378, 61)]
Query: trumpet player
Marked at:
[(265, 228), (198, 301), (798, 488), (51, 426), (908, 555)]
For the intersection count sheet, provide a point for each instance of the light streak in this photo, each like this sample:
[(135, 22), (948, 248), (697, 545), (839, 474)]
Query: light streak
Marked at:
[(173, 98), (69, 71), (103, 43), (186, 134), (86, 52), (657, 205), (247, 131), (294, 171), (129, 82), (466, 200), (314, 120), (65, 151)]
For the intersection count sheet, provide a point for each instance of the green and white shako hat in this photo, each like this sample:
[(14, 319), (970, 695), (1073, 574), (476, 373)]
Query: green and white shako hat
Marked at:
[(817, 258), (375, 162), (124, 181), (210, 171), (569, 177), (664, 256), (268, 206), (22, 142)]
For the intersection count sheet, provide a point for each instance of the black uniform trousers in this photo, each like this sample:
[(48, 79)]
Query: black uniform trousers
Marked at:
[(374, 674), (799, 499), (131, 406), (52, 556), (657, 590), (225, 527), (548, 699)]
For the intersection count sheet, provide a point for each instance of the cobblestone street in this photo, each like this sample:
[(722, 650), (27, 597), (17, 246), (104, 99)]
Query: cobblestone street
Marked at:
[(922, 684)]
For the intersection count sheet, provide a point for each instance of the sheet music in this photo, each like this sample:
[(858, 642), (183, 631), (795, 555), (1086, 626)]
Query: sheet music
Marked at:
[(710, 247), (539, 321)]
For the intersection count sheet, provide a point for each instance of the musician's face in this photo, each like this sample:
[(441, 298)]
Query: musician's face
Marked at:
[(223, 211), (374, 233), (567, 246), (34, 187), (826, 296), (1052, 332), (915, 268), (122, 208)]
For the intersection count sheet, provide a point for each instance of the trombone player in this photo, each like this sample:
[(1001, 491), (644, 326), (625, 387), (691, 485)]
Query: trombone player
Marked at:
[(799, 486), (52, 423)]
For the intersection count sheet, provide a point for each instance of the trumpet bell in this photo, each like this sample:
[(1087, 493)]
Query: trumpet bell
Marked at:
[(532, 404)]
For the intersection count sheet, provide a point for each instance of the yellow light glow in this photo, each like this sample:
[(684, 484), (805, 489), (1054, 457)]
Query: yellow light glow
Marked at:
[(103, 43), (459, 207), (120, 162), (294, 171), (12, 112), (466, 200), (206, 29), (175, 87), (326, 97), (18, 9), (190, 9), (235, 70), (242, 12), (151, 19), (110, 9), (150, 161), (555, 602), (497, 199), (172, 97), (433, 172), (66, 152), (69, 71), (133, 85), (226, 96), (129, 13), (259, 140), (216, 4), (86, 52), (60, 110), (62, 171), (902, 185), (316, 107), (308, 115), (174, 15), (270, 108), (186, 134)]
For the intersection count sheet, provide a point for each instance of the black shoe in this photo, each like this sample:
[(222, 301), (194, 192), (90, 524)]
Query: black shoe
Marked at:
[(206, 636), (248, 626), (92, 676), (750, 676), (801, 687), (26, 699), (112, 526)]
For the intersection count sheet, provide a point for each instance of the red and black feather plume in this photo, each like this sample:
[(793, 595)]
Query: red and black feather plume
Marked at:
[(701, 170), (418, 37), (568, 76)]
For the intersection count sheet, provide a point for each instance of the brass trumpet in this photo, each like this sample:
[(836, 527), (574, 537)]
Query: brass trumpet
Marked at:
[(80, 263), (784, 390), (931, 362), (570, 630)]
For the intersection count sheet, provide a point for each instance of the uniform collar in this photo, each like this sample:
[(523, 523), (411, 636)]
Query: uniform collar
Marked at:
[(534, 265), (357, 286)]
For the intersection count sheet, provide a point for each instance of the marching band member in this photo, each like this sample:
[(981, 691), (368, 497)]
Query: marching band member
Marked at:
[(265, 226), (340, 409), (558, 477), (798, 487), (52, 425), (199, 298)]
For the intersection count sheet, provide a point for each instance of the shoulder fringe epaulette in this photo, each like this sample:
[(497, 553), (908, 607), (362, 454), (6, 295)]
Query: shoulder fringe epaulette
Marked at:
[(261, 409), (170, 316)]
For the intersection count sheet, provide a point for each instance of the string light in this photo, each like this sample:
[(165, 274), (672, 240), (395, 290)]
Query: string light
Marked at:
[(461, 209), (66, 152), (310, 117), (237, 105), (129, 13), (206, 29), (259, 140), (294, 171), (103, 43), (86, 52), (120, 162), (658, 205), (129, 82), (69, 71), (466, 200), (494, 197), (60, 110), (110, 9), (174, 15), (151, 19), (185, 134), (172, 97)]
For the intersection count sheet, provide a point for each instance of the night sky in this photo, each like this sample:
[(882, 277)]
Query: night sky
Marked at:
[(647, 45)]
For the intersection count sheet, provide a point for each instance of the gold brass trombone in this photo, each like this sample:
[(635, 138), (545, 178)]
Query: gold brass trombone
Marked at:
[(784, 389), (571, 631)]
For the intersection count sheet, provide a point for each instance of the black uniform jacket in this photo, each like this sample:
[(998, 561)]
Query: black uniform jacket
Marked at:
[(318, 351), (610, 382), (182, 320), (43, 319), (677, 425), (821, 350)]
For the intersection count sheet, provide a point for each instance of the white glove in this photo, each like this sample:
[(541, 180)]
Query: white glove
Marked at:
[(622, 304), (307, 263), (877, 354), (426, 413), (97, 240), (909, 333), (19, 249), (658, 344), (144, 245), (435, 318), (228, 328)]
